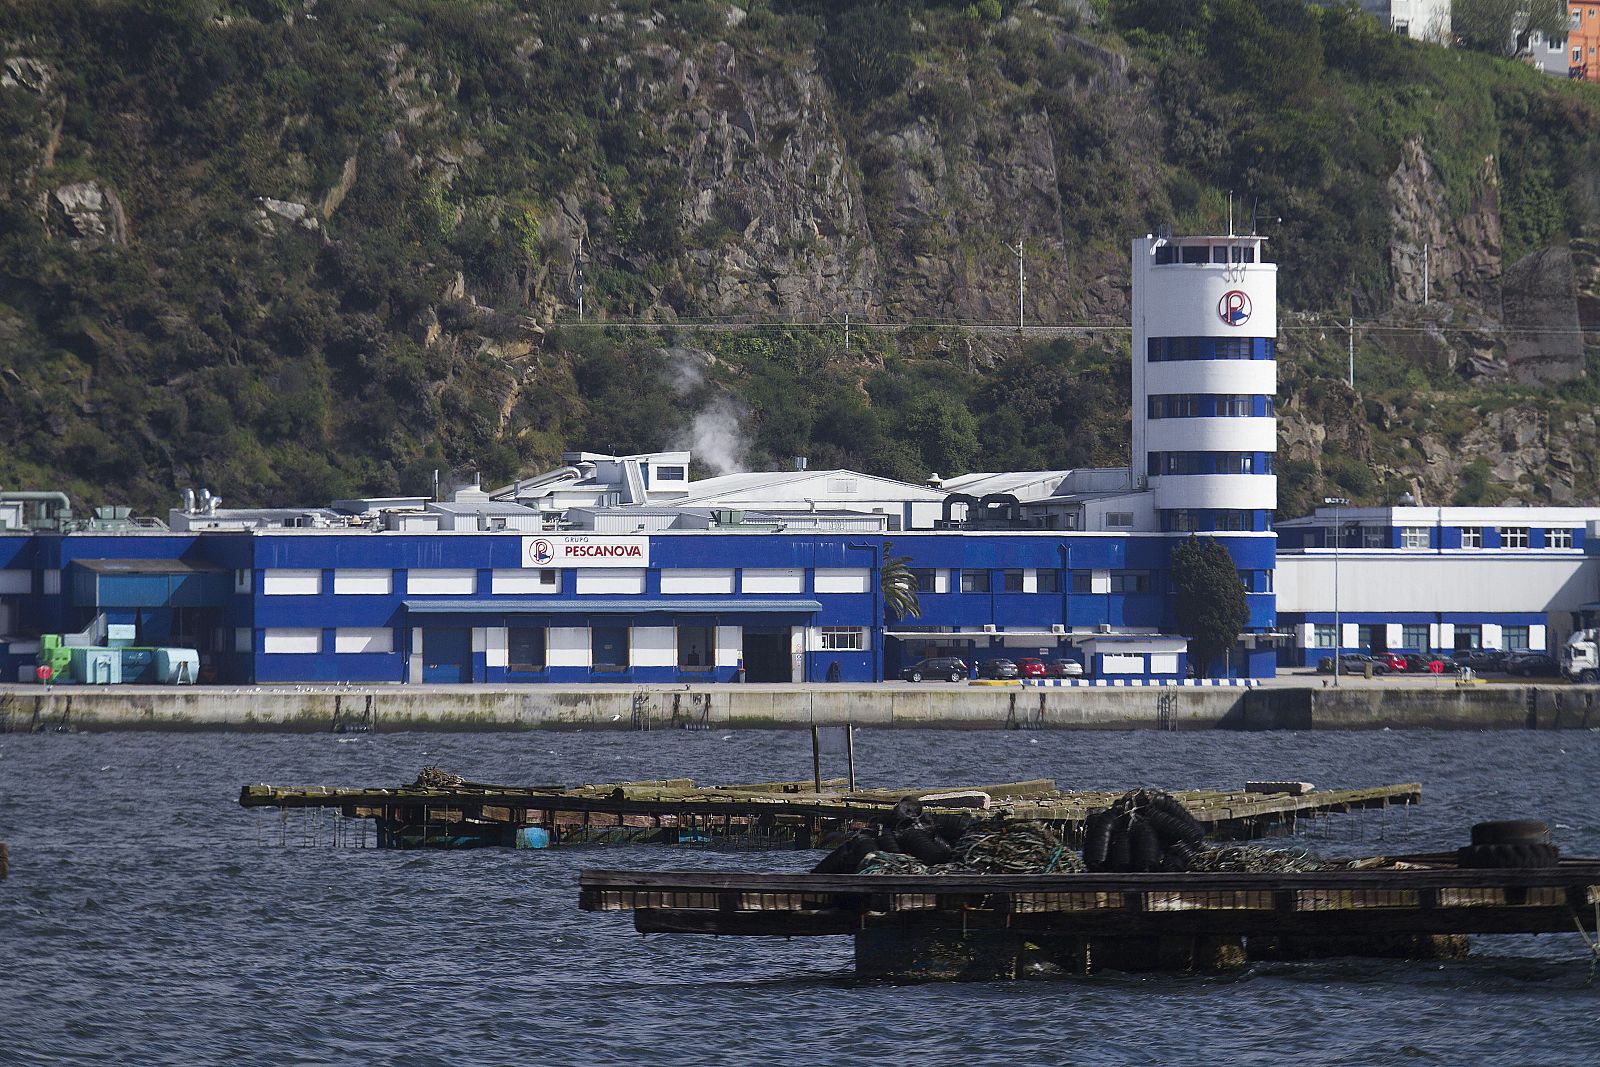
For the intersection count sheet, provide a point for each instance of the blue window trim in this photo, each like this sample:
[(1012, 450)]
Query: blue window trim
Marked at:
[(1178, 464), (1208, 406)]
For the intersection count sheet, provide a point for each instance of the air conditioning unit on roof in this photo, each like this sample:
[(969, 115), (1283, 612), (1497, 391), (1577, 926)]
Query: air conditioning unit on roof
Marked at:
[(990, 628), (1058, 627), (1104, 627)]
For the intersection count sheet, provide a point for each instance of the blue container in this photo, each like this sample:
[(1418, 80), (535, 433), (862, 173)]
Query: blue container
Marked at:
[(138, 665), (532, 837)]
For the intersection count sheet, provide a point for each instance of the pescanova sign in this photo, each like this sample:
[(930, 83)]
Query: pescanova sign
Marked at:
[(585, 550)]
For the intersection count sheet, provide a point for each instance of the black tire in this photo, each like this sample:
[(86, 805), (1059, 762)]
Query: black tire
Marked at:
[(922, 844), (1510, 832), (1588, 677), (846, 859), (1522, 855), (1097, 839), (1171, 830), (950, 827), (1144, 847), (954, 677), (916, 676), (1119, 853), (906, 811)]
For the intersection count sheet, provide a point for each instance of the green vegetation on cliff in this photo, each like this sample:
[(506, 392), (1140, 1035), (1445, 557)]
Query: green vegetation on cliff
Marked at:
[(297, 250)]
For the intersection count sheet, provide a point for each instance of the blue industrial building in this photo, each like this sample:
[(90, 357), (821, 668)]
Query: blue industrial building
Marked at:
[(623, 568)]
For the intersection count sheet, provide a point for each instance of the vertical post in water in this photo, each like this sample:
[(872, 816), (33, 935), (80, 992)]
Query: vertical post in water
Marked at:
[(850, 753), (816, 758)]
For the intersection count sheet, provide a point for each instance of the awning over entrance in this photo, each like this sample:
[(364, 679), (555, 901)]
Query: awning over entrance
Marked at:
[(613, 606)]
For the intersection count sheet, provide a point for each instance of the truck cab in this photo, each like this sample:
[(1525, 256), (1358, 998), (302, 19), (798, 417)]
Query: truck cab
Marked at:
[(1580, 657)]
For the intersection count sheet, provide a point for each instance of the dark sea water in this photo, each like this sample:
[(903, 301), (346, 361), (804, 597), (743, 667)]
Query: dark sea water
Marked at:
[(149, 919)]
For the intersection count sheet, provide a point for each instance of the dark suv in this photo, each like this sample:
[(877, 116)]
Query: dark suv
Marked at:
[(949, 668)]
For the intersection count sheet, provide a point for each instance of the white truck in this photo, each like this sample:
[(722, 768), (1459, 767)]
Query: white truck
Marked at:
[(1580, 657)]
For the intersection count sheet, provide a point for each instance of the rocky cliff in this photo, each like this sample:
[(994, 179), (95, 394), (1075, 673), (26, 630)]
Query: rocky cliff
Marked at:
[(322, 247)]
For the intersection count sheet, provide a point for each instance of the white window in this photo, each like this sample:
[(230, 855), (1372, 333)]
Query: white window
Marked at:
[(363, 582), (1119, 520), (772, 580), (242, 580), (614, 580), (1471, 537), (285, 581), (50, 583), (697, 580), (1414, 537), (843, 639), (441, 581), (16, 581), (524, 580), (363, 639), (842, 580), (291, 640), (1558, 538), (1513, 537)]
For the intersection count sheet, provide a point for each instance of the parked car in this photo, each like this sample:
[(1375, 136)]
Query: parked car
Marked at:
[(1482, 660), (1351, 663), (997, 668), (1392, 661), (1532, 665), (949, 668), (1031, 667), (1063, 668), (1424, 663)]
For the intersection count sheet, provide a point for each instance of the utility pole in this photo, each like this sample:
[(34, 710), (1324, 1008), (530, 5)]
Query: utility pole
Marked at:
[(578, 276), (1336, 502), (847, 329), (1018, 251), (1352, 353)]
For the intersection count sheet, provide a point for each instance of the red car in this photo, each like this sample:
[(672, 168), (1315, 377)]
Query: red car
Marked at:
[(1029, 667), (1392, 661)]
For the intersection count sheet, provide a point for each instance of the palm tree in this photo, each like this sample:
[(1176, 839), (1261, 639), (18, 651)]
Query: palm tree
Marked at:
[(899, 585)]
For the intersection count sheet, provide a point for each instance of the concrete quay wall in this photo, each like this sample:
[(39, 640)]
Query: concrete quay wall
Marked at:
[(26, 709)]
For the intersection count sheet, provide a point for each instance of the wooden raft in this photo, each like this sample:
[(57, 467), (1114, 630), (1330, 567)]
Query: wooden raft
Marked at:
[(1405, 900), (770, 814)]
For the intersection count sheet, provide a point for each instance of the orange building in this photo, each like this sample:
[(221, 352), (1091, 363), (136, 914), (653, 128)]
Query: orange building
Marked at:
[(1583, 37)]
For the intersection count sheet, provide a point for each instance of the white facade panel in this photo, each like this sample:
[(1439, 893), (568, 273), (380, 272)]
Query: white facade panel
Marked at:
[(1537, 638), (1212, 435), (50, 583), (623, 580), (442, 581), (363, 582), (1491, 636), (494, 649), (289, 581), (697, 580), (1163, 663), (842, 580), (773, 580), (1255, 377), (1121, 663), (1183, 300), (523, 582), (568, 647), (654, 646), (1099, 581), (16, 581), (296, 640), (1430, 583), (363, 639), (730, 645), (1392, 637), (1447, 636), (1240, 491), (1349, 635), (1030, 580)]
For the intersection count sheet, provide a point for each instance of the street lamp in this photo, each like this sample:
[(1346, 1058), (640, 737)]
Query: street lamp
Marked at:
[(1336, 502)]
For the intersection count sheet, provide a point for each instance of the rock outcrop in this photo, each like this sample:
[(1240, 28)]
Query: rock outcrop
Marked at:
[(88, 214)]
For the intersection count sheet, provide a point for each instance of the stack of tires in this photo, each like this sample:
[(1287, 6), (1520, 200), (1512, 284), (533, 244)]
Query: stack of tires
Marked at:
[(907, 831), (1146, 830), (1516, 844)]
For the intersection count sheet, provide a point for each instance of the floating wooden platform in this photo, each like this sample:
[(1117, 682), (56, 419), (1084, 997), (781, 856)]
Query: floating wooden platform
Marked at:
[(997, 926), (759, 815)]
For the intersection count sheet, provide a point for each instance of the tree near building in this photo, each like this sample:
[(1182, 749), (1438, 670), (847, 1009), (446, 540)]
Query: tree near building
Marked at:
[(899, 585), (1502, 27), (1208, 599)]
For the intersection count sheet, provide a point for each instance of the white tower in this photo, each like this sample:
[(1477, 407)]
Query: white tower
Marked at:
[(1205, 373)]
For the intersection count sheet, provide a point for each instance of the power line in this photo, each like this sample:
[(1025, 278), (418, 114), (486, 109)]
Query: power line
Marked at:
[(736, 326)]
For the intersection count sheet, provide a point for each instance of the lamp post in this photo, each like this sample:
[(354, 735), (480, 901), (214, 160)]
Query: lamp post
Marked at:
[(1336, 502)]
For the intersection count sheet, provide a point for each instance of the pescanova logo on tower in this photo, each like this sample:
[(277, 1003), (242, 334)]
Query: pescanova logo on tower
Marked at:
[(1234, 307), (585, 550)]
